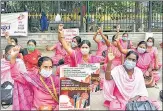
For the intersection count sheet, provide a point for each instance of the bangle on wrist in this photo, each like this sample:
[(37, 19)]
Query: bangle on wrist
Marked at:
[(108, 71)]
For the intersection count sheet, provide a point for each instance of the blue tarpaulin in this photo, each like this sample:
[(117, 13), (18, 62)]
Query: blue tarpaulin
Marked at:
[(44, 22)]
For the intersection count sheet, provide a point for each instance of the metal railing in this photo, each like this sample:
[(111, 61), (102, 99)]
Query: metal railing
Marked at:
[(133, 16)]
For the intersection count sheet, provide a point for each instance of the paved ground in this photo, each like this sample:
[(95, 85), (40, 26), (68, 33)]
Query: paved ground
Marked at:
[(97, 100)]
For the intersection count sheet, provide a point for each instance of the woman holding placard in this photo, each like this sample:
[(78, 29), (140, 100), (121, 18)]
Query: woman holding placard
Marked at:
[(34, 91)]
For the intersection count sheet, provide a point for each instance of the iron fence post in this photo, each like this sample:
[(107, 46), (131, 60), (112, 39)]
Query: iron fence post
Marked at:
[(150, 17)]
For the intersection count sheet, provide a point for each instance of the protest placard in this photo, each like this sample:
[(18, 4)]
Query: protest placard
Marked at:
[(94, 70), (70, 33), (75, 89), (16, 24)]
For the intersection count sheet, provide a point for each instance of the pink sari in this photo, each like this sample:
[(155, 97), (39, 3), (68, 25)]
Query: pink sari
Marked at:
[(101, 47), (154, 52), (29, 92), (144, 61), (76, 58), (67, 60), (5, 71), (124, 44), (60, 53), (118, 91)]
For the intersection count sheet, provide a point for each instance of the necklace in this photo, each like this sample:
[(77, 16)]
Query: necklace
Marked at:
[(54, 94)]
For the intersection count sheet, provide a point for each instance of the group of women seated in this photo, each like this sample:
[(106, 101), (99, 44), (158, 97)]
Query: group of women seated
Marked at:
[(128, 69)]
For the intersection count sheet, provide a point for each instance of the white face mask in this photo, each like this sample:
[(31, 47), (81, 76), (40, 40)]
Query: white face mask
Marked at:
[(149, 44), (46, 73), (84, 51), (129, 64), (141, 50), (73, 44)]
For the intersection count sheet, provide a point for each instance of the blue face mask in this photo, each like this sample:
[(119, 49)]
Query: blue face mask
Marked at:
[(9, 57), (124, 38), (129, 64)]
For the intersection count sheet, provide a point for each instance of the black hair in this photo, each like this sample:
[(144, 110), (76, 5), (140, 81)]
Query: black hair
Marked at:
[(78, 39), (106, 36), (153, 40), (142, 42), (31, 41), (132, 52), (113, 38), (15, 39), (85, 42), (7, 48), (42, 59), (125, 33)]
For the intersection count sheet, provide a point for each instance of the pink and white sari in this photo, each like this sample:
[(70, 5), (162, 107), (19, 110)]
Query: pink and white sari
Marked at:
[(145, 62), (154, 51), (124, 44), (5, 71), (122, 88), (29, 92), (100, 48), (60, 53)]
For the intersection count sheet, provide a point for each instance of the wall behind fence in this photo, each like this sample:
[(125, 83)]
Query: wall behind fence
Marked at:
[(44, 39)]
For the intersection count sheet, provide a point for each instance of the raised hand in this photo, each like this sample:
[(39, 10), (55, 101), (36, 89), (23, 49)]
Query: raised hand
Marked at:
[(118, 28), (15, 51), (60, 30), (7, 35), (111, 56), (99, 30)]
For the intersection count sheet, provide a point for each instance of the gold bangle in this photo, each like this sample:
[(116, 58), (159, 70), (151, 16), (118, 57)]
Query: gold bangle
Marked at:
[(108, 71)]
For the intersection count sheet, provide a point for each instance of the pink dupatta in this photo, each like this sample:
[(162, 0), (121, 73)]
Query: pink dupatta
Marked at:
[(122, 88), (76, 58), (5, 71), (23, 86)]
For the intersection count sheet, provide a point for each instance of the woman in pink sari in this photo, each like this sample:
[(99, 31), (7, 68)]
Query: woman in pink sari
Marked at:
[(125, 42), (101, 45), (78, 57), (37, 90), (124, 83), (67, 61), (5, 66), (156, 65), (59, 55), (144, 61), (75, 46), (118, 60)]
